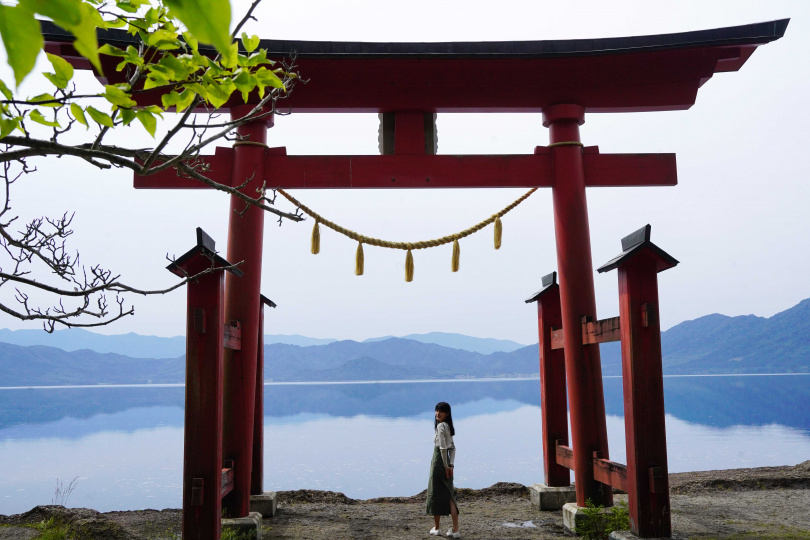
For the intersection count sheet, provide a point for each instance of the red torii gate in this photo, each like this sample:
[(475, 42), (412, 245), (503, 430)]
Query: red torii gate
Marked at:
[(409, 83)]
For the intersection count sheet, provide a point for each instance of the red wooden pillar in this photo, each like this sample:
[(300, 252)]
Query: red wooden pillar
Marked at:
[(257, 474), (643, 383), (202, 445), (577, 300), (553, 403), (242, 298)]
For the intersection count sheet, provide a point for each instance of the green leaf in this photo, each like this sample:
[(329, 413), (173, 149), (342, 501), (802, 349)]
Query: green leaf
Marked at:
[(208, 20), (37, 117), (109, 50), (22, 39), (186, 98), (118, 97), (61, 66), (199, 89), (250, 43), (148, 120), (75, 16), (170, 99), (230, 56), (245, 82), (217, 95), (78, 114), (45, 97), (5, 91), (7, 126), (179, 101), (258, 58), (64, 71), (162, 39), (154, 109), (102, 118), (115, 23), (85, 33), (56, 81), (152, 16), (191, 40), (65, 13), (268, 78), (177, 68), (127, 116)]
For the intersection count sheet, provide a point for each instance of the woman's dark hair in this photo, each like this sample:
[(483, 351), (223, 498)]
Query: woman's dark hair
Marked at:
[(445, 408)]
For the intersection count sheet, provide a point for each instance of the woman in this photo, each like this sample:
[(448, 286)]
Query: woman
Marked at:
[(441, 496)]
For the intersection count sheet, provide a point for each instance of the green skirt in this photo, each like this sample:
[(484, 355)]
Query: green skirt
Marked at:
[(440, 489)]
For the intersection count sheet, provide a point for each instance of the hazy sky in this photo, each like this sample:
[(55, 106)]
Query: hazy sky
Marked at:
[(738, 221)]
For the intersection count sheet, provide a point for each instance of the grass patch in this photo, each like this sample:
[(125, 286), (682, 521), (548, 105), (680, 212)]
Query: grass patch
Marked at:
[(51, 529), (233, 534), (596, 524)]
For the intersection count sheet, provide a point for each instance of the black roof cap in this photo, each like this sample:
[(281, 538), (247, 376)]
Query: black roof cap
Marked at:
[(634, 243), (549, 282), (205, 247)]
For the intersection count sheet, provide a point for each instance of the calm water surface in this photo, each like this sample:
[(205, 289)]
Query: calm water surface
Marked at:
[(125, 444)]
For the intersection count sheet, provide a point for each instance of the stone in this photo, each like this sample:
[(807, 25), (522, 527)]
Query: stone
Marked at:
[(627, 535), (248, 527), (551, 498), (573, 515), (265, 504)]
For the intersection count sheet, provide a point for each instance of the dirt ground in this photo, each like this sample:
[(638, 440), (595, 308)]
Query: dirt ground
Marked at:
[(763, 503)]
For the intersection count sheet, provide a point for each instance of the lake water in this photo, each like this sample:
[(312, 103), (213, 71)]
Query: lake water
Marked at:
[(125, 444)]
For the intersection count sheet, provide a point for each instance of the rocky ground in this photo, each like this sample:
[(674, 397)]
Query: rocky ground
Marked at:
[(766, 503)]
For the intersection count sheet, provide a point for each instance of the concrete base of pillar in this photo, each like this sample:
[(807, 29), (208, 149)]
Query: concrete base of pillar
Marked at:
[(265, 504), (627, 535), (249, 527), (551, 498), (573, 516)]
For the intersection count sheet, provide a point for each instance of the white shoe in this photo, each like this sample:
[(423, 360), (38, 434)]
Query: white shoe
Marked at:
[(451, 534), (435, 532)]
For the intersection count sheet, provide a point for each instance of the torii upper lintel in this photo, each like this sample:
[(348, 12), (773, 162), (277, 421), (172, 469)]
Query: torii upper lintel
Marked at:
[(625, 74)]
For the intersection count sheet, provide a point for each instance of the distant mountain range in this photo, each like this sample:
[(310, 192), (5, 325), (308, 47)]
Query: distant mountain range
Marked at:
[(712, 344), (138, 346)]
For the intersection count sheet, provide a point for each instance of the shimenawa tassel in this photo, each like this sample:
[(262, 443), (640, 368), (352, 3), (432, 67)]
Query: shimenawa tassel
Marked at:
[(456, 256), (316, 238), (358, 260), (498, 232), (409, 266)]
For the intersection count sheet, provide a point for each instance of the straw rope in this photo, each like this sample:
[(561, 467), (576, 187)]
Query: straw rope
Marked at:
[(403, 245)]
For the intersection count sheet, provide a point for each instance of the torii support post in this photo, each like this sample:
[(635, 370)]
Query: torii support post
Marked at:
[(643, 383), (553, 402), (242, 301), (577, 300), (202, 445), (257, 474)]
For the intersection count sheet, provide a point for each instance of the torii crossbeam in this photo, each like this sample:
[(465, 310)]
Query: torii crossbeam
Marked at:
[(409, 83)]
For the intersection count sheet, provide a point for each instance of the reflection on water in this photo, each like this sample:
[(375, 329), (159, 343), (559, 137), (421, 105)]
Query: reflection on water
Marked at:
[(369, 440)]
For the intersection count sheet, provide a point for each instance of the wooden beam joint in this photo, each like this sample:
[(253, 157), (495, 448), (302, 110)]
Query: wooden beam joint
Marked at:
[(227, 478), (593, 332), (565, 455), (197, 491), (233, 336), (656, 480), (648, 313)]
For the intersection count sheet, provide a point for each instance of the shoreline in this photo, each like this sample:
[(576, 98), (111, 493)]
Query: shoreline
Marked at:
[(270, 382), (762, 502)]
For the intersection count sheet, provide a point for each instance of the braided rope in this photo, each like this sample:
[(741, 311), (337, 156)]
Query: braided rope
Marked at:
[(403, 245), (565, 143), (250, 143)]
